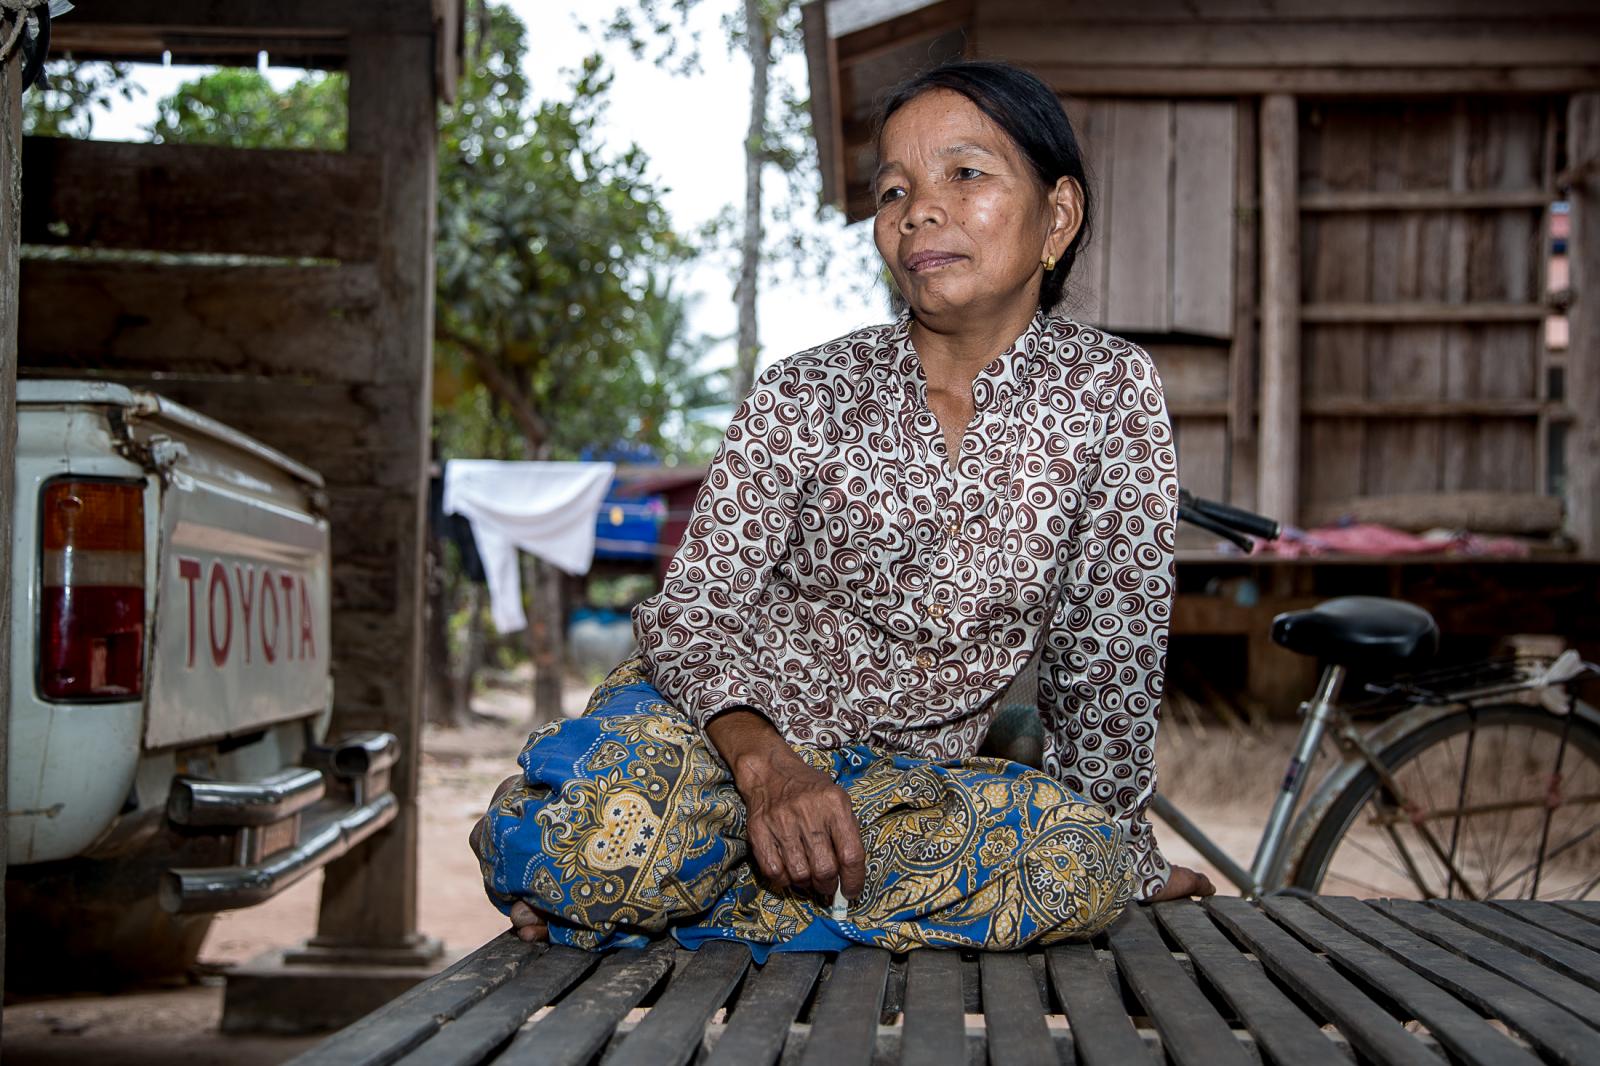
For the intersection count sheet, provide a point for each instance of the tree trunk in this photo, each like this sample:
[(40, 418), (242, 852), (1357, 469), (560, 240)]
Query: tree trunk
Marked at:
[(758, 41), (439, 698), (545, 639), (472, 656)]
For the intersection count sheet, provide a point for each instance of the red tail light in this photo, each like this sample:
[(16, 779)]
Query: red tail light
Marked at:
[(91, 568)]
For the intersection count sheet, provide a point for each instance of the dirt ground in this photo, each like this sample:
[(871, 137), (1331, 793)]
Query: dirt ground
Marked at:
[(1222, 780)]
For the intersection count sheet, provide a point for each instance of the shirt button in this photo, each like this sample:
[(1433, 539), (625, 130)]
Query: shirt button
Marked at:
[(935, 610), (925, 660), (952, 529)]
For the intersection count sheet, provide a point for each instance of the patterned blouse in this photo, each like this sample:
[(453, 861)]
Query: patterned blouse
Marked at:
[(843, 577)]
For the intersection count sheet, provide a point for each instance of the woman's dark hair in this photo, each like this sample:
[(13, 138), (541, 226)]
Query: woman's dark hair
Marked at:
[(1029, 113)]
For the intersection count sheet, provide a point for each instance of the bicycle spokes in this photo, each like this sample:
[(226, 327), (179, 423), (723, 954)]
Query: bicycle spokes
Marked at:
[(1491, 802)]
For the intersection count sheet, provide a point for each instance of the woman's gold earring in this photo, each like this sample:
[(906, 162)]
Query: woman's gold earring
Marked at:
[(1049, 262)]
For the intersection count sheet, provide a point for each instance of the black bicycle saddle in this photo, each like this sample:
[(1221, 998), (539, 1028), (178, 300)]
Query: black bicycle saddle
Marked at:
[(1365, 631)]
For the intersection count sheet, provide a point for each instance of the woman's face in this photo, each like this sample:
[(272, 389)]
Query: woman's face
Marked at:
[(962, 220)]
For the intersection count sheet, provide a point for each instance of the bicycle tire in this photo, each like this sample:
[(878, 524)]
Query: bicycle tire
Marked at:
[(1533, 738)]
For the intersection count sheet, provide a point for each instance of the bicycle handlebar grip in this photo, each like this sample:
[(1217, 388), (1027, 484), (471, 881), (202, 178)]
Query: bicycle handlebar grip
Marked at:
[(1237, 518)]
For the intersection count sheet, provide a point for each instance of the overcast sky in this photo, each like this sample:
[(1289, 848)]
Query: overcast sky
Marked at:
[(693, 128)]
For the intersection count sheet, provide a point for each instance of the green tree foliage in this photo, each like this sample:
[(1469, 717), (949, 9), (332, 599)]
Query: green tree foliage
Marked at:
[(64, 105), (779, 136), (553, 258), (239, 108), (557, 327)]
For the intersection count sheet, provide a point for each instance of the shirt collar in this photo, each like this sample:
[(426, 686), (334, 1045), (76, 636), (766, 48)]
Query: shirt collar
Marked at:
[(996, 384)]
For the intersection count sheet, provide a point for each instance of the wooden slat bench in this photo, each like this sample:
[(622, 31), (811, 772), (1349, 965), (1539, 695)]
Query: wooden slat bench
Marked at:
[(1295, 981)]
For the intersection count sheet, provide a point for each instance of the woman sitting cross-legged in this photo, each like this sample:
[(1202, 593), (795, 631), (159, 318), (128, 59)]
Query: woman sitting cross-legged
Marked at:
[(895, 524)]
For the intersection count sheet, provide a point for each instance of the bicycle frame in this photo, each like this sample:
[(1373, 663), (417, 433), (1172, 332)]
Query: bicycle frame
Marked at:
[(1267, 869)]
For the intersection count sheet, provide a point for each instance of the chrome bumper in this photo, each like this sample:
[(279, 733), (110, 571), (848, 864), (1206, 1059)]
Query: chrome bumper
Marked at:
[(280, 828), (220, 888)]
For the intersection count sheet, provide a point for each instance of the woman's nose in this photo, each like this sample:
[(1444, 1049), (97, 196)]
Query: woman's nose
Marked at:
[(922, 208)]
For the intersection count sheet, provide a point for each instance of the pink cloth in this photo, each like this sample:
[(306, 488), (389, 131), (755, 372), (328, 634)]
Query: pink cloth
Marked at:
[(1367, 538)]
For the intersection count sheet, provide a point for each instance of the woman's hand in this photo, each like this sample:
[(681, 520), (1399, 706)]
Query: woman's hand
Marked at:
[(802, 831), (1184, 882)]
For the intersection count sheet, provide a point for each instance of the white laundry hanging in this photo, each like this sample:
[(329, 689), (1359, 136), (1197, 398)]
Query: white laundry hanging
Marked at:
[(546, 509)]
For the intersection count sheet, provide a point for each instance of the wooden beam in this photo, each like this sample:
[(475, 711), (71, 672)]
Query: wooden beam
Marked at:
[(10, 232), (1242, 347), (270, 16), (1253, 79), (1583, 322), (1426, 200), (1525, 513), (307, 323), (1418, 312), (1362, 408), (188, 198), (1278, 475), (894, 33), (370, 897), (822, 64), (1354, 43), (1048, 14)]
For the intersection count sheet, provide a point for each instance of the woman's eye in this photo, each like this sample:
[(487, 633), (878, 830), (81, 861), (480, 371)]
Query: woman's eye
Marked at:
[(968, 173), (893, 193)]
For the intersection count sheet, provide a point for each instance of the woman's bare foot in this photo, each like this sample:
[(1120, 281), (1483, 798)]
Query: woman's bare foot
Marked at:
[(529, 926)]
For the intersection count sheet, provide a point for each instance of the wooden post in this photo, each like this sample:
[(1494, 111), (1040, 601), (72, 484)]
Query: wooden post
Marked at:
[(1583, 323), (369, 899), (1242, 433), (1279, 447), (10, 227)]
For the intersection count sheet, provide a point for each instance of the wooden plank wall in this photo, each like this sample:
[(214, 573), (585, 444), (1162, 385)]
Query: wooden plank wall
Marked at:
[(1162, 255), (1422, 227), (1160, 266), (1177, 48)]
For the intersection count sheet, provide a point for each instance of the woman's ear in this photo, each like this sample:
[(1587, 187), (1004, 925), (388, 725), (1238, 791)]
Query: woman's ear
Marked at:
[(1066, 216)]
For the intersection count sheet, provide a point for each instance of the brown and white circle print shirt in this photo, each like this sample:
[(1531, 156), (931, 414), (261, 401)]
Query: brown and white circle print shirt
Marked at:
[(852, 582)]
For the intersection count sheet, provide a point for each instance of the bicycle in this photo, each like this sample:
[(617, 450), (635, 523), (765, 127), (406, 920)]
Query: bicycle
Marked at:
[(1481, 780)]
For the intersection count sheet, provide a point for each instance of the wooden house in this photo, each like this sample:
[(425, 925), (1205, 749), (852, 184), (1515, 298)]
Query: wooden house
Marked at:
[(1331, 224)]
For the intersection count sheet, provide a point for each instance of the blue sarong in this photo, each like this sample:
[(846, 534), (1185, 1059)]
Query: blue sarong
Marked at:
[(626, 825)]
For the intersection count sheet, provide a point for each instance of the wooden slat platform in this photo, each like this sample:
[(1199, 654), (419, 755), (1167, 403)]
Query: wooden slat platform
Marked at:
[(1327, 980)]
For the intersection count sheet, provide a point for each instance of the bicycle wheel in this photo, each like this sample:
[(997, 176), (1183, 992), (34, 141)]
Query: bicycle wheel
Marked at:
[(1493, 802)]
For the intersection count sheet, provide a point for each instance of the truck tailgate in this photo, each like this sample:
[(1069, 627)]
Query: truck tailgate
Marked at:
[(242, 608)]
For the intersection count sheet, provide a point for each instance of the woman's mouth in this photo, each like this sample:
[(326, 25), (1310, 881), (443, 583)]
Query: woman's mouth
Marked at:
[(918, 262)]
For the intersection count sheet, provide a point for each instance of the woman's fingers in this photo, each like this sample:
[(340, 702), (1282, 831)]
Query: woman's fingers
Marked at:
[(769, 859), (846, 834), (824, 865), (791, 845)]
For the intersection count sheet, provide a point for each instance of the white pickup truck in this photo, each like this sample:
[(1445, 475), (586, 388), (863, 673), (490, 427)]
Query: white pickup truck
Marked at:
[(170, 690)]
